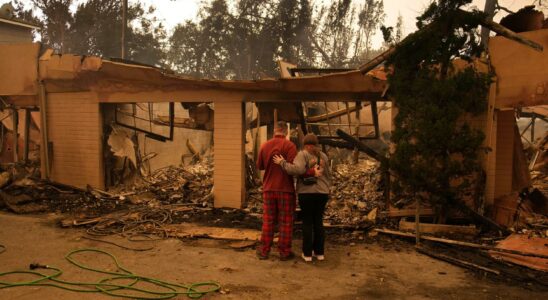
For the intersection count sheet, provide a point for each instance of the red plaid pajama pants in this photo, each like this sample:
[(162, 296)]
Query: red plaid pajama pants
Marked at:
[(277, 207)]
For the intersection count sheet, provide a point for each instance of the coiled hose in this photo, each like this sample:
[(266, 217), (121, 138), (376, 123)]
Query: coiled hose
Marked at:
[(122, 283)]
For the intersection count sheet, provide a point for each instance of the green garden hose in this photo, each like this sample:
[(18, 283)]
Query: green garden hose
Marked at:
[(122, 283)]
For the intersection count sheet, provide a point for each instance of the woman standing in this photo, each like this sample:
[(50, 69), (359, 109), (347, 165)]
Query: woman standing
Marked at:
[(313, 184)]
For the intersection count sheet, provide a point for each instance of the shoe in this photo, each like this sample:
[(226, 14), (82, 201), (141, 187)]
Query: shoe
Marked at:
[(262, 256), (290, 256), (318, 257), (306, 258)]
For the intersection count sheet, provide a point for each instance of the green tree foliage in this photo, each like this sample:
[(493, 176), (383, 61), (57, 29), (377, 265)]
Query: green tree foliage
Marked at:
[(344, 32), (56, 26), (246, 40), (24, 14), (436, 150), (184, 50), (97, 30), (392, 38), (94, 28), (240, 39), (253, 42), (370, 17)]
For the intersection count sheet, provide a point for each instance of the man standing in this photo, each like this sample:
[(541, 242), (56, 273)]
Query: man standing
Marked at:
[(278, 193)]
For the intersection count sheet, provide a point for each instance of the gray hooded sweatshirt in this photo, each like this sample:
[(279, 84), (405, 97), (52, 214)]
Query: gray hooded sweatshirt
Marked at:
[(298, 167)]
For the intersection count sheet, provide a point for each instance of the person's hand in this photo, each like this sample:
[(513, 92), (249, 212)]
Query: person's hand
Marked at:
[(318, 171), (278, 159)]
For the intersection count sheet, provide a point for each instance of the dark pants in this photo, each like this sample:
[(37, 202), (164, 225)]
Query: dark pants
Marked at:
[(312, 209)]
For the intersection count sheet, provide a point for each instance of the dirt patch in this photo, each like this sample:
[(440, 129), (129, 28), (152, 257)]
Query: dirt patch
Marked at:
[(361, 271)]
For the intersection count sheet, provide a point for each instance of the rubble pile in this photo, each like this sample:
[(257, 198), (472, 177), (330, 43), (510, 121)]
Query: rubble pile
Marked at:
[(23, 191), (31, 195), (254, 200), (356, 192), (177, 185)]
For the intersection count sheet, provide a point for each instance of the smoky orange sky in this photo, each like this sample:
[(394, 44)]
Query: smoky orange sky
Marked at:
[(173, 12)]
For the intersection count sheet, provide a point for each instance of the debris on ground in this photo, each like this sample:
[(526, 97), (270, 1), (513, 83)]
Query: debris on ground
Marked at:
[(176, 185), (5, 178), (35, 195), (490, 258), (524, 243), (159, 222), (192, 184), (356, 194)]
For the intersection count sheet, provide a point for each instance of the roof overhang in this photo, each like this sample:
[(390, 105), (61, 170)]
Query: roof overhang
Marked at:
[(123, 82), (19, 23)]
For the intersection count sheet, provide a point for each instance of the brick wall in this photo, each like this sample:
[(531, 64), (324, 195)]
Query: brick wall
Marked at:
[(75, 132), (229, 165)]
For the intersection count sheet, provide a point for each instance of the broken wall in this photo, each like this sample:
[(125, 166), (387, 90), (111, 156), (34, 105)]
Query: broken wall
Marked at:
[(159, 154), (7, 140), (75, 131)]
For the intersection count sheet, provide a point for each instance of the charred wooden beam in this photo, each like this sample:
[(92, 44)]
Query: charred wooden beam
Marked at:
[(332, 114), (456, 261), (302, 119), (337, 143), (479, 218), (509, 34), (359, 145), (460, 243), (495, 27)]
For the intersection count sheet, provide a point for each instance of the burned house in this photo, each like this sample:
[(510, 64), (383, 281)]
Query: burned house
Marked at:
[(78, 97)]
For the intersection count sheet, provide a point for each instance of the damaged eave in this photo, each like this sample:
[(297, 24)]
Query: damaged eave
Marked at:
[(522, 73), (122, 82)]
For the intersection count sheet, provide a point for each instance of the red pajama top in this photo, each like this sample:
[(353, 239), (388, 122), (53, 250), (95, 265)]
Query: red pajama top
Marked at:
[(275, 179)]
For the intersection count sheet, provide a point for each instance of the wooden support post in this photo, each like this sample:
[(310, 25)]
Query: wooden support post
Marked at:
[(348, 118), (356, 153), (15, 124), (417, 222), (375, 118), (328, 121), (257, 143), (27, 133), (302, 118), (124, 28), (44, 143), (533, 119)]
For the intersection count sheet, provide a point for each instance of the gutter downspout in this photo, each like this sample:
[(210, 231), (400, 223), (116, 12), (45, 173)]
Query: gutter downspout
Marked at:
[(43, 124)]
